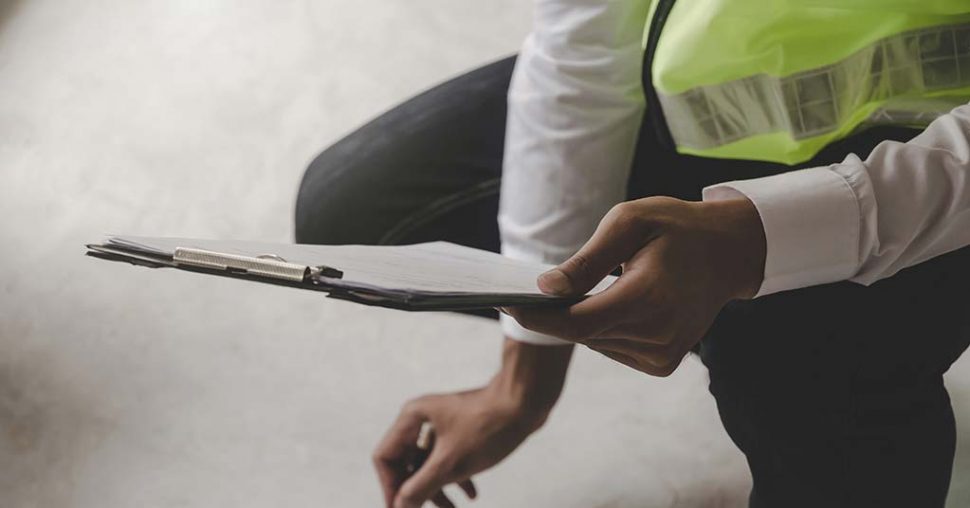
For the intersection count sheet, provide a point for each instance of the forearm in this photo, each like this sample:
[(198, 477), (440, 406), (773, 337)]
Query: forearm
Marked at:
[(531, 377), (864, 220), (914, 197)]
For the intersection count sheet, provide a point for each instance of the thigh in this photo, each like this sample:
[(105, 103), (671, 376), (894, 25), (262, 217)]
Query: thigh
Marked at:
[(427, 170), (835, 393)]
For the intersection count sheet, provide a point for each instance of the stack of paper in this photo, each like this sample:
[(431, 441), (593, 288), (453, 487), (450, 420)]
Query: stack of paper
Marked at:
[(428, 276)]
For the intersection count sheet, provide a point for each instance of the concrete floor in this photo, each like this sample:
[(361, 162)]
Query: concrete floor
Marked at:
[(124, 387)]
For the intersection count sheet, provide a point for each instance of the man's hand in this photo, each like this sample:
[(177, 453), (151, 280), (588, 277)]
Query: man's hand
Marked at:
[(473, 430), (682, 262)]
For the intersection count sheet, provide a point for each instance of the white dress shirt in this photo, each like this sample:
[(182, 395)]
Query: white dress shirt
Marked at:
[(575, 107)]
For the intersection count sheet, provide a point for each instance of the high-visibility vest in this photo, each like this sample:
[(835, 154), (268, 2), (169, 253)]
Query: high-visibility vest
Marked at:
[(778, 80)]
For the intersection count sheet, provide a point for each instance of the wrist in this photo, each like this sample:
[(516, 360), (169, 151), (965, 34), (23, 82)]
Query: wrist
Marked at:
[(740, 245), (531, 378)]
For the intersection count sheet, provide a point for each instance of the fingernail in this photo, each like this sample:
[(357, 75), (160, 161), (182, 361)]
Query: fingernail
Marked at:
[(555, 282)]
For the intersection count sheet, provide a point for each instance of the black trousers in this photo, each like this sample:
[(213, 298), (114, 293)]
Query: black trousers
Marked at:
[(834, 393)]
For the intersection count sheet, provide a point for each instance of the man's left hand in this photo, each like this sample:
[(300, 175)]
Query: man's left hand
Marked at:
[(682, 262)]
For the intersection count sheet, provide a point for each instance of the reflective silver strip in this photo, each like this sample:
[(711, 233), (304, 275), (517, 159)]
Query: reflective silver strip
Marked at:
[(895, 69)]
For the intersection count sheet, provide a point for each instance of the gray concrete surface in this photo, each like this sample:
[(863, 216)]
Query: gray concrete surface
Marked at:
[(124, 387)]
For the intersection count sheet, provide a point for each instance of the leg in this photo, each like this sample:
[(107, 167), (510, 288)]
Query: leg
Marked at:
[(835, 393), (427, 170)]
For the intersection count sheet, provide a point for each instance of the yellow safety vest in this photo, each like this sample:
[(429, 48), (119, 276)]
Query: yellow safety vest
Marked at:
[(778, 80)]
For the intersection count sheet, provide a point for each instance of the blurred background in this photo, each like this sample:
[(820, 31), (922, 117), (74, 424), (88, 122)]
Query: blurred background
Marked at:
[(122, 386)]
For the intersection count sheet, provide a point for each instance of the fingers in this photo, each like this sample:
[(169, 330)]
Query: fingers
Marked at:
[(625, 298), (656, 360), (426, 482), (395, 449), (429, 481), (592, 317), (469, 487), (400, 448), (441, 500), (619, 235), (623, 358), (559, 323)]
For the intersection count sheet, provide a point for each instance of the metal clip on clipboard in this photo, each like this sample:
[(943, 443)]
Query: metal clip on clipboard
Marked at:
[(267, 265)]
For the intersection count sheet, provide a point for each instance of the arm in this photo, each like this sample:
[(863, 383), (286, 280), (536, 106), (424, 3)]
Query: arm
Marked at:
[(857, 220), (865, 220), (474, 430), (575, 106)]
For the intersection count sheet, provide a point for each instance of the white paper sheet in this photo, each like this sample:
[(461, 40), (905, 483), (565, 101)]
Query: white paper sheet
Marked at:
[(437, 267)]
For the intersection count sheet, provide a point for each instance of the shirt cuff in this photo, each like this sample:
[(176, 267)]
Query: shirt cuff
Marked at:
[(513, 330), (812, 224)]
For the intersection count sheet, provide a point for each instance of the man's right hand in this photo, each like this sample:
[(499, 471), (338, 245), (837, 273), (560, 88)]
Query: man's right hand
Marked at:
[(473, 430)]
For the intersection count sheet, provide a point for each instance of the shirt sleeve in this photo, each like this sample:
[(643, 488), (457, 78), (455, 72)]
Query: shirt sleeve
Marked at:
[(865, 220), (574, 110)]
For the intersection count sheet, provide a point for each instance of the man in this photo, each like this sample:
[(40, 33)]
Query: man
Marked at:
[(822, 278)]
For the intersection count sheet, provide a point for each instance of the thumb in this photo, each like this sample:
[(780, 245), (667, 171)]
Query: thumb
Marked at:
[(425, 483), (617, 238)]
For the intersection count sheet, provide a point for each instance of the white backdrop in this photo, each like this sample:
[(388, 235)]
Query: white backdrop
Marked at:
[(124, 387)]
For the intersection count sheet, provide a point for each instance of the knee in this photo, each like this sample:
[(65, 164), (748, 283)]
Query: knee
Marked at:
[(331, 205), (311, 205)]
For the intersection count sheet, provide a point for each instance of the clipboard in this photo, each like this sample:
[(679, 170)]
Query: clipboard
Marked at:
[(437, 276)]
